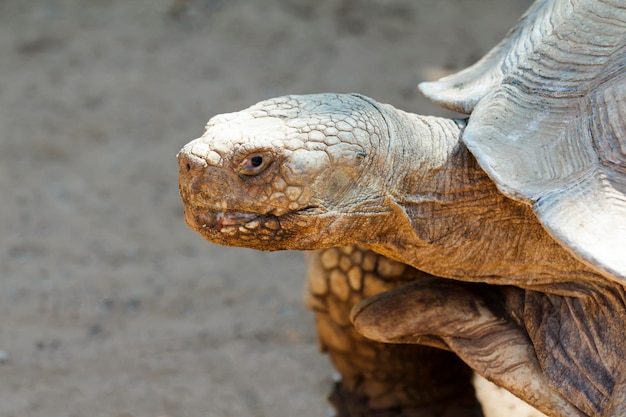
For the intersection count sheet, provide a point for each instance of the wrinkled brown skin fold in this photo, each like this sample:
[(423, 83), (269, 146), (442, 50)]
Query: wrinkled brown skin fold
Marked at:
[(380, 379), (541, 347)]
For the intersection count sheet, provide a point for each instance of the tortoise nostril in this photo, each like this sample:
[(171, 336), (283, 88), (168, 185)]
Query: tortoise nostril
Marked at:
[(190, 164)]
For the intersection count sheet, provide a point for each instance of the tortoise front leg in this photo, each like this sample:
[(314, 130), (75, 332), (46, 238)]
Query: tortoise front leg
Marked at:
[(475, 322), (379, 379)]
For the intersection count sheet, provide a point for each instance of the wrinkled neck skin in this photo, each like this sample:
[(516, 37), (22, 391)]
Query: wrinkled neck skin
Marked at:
[(449, 219)]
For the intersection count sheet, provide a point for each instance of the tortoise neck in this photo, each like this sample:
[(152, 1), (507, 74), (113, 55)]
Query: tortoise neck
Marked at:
[(431, 167), (450, 220)]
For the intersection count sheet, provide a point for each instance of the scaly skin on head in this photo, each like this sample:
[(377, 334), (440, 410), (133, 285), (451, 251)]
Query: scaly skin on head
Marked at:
[(273, 175)]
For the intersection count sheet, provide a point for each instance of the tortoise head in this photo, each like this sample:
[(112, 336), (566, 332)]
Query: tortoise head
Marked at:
[(288, 173)]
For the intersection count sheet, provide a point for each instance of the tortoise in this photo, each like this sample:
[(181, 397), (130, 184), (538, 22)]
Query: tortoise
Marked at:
[(516, 216)]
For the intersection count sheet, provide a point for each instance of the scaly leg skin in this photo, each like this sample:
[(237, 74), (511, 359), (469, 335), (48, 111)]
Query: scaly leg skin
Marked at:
[(378, 379), (473, 321)]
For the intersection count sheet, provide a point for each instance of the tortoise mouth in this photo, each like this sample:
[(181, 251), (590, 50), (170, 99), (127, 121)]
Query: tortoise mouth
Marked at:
[(227, 222), (241, 228)]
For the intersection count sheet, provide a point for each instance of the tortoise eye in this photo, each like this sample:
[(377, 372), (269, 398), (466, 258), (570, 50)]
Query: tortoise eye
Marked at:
[(256, 161), (254, 164)]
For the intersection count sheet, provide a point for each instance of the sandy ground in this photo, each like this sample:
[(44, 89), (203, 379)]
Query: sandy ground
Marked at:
[(109, 305)]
